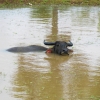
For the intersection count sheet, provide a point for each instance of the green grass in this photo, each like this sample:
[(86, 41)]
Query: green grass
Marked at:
[(49, 2)]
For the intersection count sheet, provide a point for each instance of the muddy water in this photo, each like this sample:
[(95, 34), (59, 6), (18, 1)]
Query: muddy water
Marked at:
[(41, 76)]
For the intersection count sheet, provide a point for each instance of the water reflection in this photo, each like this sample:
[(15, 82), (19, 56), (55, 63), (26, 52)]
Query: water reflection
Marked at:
[(38, 82), (41, 76), (43, 12)]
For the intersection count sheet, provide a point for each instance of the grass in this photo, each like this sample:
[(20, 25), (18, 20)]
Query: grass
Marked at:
[(49, 2)]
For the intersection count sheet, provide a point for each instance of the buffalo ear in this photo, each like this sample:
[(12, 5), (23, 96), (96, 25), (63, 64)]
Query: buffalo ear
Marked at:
[(49, 43), (69, 43)]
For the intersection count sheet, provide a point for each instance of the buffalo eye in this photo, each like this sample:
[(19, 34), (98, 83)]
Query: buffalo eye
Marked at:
[(58, 45)]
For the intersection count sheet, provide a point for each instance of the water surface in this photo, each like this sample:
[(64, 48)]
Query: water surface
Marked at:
[(41, 76)]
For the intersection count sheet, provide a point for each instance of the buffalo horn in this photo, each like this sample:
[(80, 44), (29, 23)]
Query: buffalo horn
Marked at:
[(69, 43), (49, 43)]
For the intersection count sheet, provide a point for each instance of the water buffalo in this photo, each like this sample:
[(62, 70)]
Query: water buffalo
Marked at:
[(59, 47)]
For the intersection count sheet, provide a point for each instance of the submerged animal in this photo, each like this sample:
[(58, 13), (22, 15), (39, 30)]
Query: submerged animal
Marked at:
[(59, 47)]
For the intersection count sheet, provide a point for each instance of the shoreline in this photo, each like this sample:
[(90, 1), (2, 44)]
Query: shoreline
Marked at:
[(6, 3)]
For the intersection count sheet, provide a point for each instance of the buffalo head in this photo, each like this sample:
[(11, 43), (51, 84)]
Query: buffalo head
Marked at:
[(60, 47)]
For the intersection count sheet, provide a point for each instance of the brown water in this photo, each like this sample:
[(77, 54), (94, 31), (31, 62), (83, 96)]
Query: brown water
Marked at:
[(40, 76)]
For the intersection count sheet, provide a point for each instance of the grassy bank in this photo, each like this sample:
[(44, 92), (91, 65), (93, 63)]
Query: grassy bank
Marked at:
[(49, 2)]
